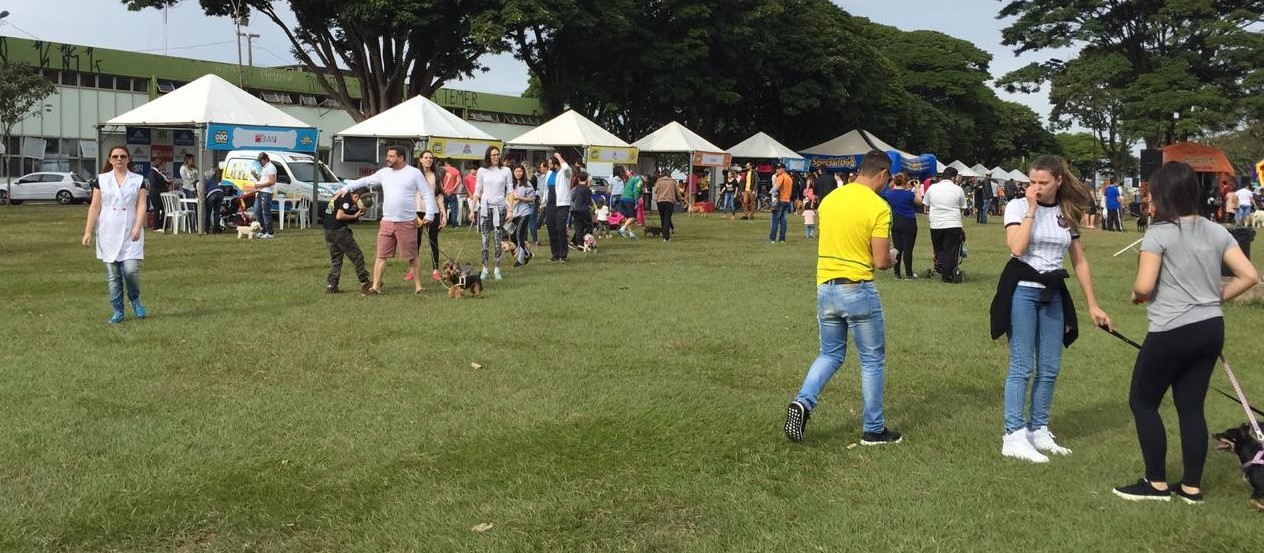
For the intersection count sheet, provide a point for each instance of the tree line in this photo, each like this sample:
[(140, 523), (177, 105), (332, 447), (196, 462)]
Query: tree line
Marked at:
[(804, 70)]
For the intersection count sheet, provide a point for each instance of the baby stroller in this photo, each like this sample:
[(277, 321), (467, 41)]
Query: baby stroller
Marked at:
[(237, 210)]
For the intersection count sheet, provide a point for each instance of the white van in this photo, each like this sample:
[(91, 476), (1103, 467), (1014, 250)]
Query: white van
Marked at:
[(296, 173)]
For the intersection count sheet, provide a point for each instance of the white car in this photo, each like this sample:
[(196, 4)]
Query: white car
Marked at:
[(65, 188)]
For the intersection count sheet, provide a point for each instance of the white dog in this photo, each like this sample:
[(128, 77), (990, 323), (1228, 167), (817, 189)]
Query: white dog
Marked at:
[(249, 232), (1256, 220)]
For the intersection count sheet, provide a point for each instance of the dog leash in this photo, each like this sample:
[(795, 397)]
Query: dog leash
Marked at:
[(1241, 397)]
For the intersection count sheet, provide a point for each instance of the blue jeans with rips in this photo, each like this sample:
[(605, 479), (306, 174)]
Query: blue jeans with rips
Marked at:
[(855, 308), (779, 211), (1035, 338)]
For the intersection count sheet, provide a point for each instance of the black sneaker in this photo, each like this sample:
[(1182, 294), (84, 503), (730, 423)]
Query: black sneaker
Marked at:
[(517, 264), (1190, 498), (1143, 491), (887, 436), (796, 420)]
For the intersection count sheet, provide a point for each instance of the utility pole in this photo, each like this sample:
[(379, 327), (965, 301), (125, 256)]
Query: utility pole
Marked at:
[(241, 75), (250, 47)]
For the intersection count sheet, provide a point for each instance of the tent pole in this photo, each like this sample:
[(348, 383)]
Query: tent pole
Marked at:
[(198, 140)]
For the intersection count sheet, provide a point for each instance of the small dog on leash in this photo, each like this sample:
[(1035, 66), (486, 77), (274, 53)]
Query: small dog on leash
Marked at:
[(250, 231), (653, 231), (1250, 452), (461, 279), (590, 243), (508, 247), (1143, 222), (1256, 220)]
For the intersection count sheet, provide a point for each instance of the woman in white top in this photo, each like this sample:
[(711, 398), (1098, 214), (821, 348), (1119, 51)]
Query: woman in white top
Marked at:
[(189, 177), (493, 185), (1033, 305), (118, 201)]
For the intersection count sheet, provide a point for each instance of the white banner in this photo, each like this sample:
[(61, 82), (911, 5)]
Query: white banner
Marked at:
[(259, 139)]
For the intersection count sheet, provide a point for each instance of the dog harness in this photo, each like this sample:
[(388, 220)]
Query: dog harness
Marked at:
[(1257, 460), (1250, 416)]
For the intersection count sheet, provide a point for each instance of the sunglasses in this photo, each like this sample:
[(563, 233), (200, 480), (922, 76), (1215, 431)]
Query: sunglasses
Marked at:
[(118, 157)]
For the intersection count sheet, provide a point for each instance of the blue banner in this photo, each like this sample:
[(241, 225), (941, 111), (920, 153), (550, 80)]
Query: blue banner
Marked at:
[(138, 135), (237, 137), (918, 167), (846, 164)]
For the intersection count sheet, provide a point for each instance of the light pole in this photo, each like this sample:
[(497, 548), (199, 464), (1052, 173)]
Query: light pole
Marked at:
[(250, 47)]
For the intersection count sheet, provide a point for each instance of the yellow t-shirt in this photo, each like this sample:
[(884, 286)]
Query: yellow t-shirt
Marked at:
[(847, 219)]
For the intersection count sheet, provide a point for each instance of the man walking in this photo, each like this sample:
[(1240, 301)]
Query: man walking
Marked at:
[(855, 225), (401, 183), (782, 186), (946, 200), (750, 183)]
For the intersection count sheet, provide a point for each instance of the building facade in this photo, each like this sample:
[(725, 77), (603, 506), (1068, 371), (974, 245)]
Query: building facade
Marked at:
[(94, 85)]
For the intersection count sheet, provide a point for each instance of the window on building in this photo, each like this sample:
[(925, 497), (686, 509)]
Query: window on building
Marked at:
[(140, 85), (68, 78), (166, 86), (105, 81), (307, 100), (87, 80)]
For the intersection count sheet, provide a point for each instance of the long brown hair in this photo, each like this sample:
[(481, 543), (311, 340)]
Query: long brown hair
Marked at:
[(1072, 195), (437, 185), (109, 167)]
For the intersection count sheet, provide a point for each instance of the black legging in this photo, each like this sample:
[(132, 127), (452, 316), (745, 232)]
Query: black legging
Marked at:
[(1112, 219), (947, 244), (664, 216), (903, 238), (1181, 359), (432, 236), (521, 229)]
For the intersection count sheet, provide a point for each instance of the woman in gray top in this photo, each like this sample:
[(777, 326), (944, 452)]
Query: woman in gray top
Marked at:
[(1178, 274)]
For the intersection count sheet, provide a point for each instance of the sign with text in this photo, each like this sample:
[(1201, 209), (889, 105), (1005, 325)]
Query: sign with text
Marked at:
[(461, 148), (709, 159), (611, 154), (236, 137)]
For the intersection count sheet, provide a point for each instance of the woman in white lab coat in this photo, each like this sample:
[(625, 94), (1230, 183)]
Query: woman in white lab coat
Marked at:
[(117, 216)]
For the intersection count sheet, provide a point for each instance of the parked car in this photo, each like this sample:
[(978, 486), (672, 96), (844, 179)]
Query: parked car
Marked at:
[(65, 188)]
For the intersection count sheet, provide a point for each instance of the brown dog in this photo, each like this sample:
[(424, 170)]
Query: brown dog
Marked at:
[(696, 209), (461, 280)]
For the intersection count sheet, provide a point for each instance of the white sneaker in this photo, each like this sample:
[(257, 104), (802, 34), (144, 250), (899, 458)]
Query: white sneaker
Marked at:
[(1042, 440), (1016, 445)]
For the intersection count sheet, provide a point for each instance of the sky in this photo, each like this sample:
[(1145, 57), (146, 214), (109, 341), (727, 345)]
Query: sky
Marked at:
[(189, 33)]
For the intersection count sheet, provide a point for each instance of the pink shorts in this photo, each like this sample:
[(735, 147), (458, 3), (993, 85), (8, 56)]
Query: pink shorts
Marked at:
[(402, 236)]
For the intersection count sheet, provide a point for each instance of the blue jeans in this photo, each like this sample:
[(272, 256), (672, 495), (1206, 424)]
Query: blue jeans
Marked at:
[(1244, 211), (1035, 337), (779, 210), (841, 308), (533, 223), (263, 211), (454, 209), (119, 274), (726, 204), (809, 231), (981, 212)]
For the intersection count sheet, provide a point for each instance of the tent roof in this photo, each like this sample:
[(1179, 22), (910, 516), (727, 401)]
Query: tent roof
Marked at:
[(209, 99), (964, 170), (674, 137), (1018, 176), (762, 146), (569, 129), (854, 143), (417, 118), (980, 169), (1204, 159)]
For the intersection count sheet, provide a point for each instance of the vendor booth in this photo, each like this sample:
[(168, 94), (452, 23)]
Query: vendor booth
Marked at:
[(762, 150), (1019, 176), (964, 170), (845, 152), (418, 124), (207, 118), (673, 145), (1210, 163), (578, 138)]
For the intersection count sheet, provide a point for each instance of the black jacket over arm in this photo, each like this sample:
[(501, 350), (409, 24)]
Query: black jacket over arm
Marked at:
[(1054, 281)]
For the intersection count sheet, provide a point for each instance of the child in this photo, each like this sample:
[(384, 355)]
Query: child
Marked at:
[(339, 214), (809, 218), (603, 218)]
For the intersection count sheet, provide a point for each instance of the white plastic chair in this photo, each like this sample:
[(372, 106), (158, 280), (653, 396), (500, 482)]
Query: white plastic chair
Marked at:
[(182, 217), (301, 214)]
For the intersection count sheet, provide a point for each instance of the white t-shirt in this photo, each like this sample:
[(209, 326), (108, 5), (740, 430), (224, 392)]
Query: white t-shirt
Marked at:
[(268, 169), (1051, 236), (1244, 197), (603, 213), (946, 200), (399, 193), (492, 185)]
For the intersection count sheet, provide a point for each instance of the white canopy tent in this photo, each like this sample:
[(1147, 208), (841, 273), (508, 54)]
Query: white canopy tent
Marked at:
[(999, 174), (964, 170), (857, 142), (1018, 176), (598, 146), (980, 170), (216, 115), (674, 138), (418, 120), (762, 146)]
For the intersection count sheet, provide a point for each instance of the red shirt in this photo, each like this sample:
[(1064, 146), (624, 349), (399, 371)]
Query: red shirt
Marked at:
[(451, 177), (470, 181)]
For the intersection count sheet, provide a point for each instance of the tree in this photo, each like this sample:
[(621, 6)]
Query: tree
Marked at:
[(22, 93), (386, 51), (1083, 151), (1189, 67)]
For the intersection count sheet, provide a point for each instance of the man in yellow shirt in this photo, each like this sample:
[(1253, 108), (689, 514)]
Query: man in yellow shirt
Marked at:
[(748, 193), (782, 186), (855, 231)]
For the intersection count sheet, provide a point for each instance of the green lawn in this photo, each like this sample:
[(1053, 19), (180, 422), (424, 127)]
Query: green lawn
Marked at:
[(631, 400)]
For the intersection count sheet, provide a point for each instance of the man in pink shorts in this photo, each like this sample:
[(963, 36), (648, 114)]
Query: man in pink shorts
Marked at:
[(406, 197)]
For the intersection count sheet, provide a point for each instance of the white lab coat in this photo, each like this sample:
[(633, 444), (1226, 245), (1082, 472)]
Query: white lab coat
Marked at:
[(118, 216)]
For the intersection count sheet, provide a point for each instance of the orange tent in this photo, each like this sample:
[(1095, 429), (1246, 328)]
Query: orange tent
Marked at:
[(1204, 159)]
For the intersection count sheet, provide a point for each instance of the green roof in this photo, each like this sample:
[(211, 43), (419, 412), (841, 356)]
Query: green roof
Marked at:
[(74, 57)]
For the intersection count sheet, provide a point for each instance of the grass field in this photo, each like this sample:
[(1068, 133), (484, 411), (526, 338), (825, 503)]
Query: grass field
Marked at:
[(631, 400)]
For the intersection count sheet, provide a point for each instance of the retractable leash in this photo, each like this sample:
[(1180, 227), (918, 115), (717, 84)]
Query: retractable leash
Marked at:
[(1246, 406)]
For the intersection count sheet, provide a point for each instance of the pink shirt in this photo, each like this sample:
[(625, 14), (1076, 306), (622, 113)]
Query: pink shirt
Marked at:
[(809, 216)]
